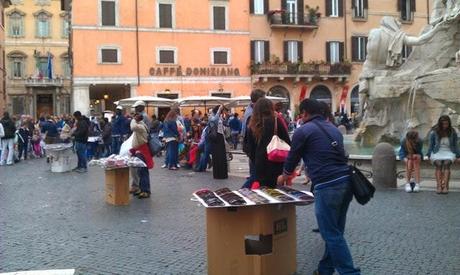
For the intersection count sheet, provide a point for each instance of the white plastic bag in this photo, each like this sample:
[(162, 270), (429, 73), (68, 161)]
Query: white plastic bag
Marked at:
[(126, 146)]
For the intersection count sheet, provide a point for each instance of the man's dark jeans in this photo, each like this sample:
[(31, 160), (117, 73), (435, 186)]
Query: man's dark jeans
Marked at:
[(332, 199), (80, 149), (205, 151), (116, 144), (22, 149)]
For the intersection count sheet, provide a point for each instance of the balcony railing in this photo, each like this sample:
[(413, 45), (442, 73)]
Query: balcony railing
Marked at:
[(44, 81), (338, 69), (281, 19)]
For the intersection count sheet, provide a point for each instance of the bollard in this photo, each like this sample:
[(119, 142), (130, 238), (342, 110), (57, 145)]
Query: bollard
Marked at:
[(384, 166), (342, 129)]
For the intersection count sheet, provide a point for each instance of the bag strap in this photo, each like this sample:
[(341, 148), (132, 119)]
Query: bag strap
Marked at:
[(334, 143), (275, 129)]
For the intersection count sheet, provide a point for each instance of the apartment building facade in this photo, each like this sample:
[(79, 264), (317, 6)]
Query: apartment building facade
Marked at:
[(166, 48), (3, 4), (316, 48), (37, 60)]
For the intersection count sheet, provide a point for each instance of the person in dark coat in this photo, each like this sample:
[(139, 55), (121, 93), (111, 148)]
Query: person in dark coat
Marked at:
[(9, 129), (216, 139), (80, 134), (263, 125)]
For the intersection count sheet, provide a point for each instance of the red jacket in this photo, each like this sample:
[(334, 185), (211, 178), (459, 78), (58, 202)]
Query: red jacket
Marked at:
[(144, 150)]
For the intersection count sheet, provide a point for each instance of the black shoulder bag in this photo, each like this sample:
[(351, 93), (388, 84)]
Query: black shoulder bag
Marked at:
[(362, 188)]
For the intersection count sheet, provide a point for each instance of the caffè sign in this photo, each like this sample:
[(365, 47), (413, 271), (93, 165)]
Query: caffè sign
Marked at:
[(194, 71)]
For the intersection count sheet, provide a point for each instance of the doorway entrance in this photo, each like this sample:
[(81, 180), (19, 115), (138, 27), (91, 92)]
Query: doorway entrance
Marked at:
[(163, 111), (45, 104)]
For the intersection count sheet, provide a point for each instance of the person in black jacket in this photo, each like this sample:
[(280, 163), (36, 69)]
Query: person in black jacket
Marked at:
[(80, 134), (7, 140), (262, 128), (23, 140)]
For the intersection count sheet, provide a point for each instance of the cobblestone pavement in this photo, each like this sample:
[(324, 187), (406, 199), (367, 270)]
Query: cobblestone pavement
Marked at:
[(58, 221)]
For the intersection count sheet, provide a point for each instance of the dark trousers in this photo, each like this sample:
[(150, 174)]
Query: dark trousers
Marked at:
[(205, 151), (80, 149), (22, 148), (252, 175), (172, 154), (116, 144), (144, 177)]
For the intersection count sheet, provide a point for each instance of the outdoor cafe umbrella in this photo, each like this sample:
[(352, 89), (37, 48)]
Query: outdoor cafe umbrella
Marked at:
[(151, 101), (201, 101), (243, 101)]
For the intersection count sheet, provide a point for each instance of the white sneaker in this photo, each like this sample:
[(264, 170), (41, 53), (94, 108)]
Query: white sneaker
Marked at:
[(407, 188), (163, 166), (417, 188), (178, 165)]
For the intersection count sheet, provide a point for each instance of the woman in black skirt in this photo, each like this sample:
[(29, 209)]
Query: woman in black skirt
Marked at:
[(263, 125), (215, 135)]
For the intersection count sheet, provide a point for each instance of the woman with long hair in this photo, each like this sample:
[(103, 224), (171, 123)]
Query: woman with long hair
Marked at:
[(411, 153), (171, 137), (263, 125), (443, 151)]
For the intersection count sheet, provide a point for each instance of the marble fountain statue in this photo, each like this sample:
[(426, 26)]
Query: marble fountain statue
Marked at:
[(395, 95)]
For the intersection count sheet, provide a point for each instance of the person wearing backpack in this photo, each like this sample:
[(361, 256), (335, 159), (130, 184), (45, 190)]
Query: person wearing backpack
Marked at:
[(330, 176), (9, 130)]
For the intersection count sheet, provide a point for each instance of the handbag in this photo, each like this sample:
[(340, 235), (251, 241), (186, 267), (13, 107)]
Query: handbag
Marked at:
[(155, 145), (277, 149), (362, 188)]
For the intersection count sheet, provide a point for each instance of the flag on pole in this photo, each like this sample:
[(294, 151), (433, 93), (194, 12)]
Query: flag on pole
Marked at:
[(37, 65), (49, 69)]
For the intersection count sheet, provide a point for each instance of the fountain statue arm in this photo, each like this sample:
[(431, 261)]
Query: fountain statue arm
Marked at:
[(424, 38)]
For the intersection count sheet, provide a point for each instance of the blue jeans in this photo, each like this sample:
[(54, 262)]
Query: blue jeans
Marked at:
[(80, 149), (116, 144), (252, 175), (332, 199), (204, 157), (172, 154)]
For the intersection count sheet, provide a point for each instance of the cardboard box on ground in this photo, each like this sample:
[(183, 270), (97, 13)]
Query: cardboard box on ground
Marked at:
[(117, 186), (256, 240)]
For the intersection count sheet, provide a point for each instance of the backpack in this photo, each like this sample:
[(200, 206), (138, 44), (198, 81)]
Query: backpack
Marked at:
[(2, 132), (211, 131)]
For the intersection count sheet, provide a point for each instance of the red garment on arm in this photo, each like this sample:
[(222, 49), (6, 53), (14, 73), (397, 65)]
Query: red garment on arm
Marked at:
[(145, 151)]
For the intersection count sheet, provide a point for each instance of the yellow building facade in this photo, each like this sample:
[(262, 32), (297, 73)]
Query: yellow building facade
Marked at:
[(3, 4), (36, 58)]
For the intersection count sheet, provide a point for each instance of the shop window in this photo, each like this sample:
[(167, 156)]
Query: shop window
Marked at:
[(219, 17), (293, 51), (358, 48), (260, 51), (108, 13), (165, 15), (16, 20), (334, 52)]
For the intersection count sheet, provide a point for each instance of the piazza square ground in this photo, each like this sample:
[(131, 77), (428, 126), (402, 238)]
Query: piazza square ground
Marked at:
[(61, 221)]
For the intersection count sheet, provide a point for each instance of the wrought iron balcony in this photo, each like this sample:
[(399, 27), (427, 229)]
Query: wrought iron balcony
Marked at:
[(301, 70), (282, 19), (44, 82)]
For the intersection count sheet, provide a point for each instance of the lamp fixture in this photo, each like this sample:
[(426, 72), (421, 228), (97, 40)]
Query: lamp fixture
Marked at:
[(106, 96)]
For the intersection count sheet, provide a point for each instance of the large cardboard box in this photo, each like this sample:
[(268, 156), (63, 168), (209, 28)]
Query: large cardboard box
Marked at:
[(256, 240), (117, 186)]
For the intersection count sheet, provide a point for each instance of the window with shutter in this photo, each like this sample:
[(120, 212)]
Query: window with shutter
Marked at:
[(219, 18), (328, 7), (259, 6), (220, 57), (166, 57), (299, 51), (334, 8), (16, 21), (359, 8), (359, 48), (108, 13), (165, 15), (109, 56), (267, 51), (292, 51), (407, 7), (334, 52), (259, 51)]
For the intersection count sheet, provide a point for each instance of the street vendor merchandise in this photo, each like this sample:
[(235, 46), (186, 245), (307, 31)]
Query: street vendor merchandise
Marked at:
[(253, 196), (230, 197)]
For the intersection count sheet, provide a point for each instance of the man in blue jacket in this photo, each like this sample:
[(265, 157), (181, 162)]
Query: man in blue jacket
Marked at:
[(329, 173)]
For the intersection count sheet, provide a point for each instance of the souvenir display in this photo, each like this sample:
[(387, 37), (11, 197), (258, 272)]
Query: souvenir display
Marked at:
[(117, 161), (209, 198), (230, 197), (296, 193), (253, 196), (276, 194), (224, 197)]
